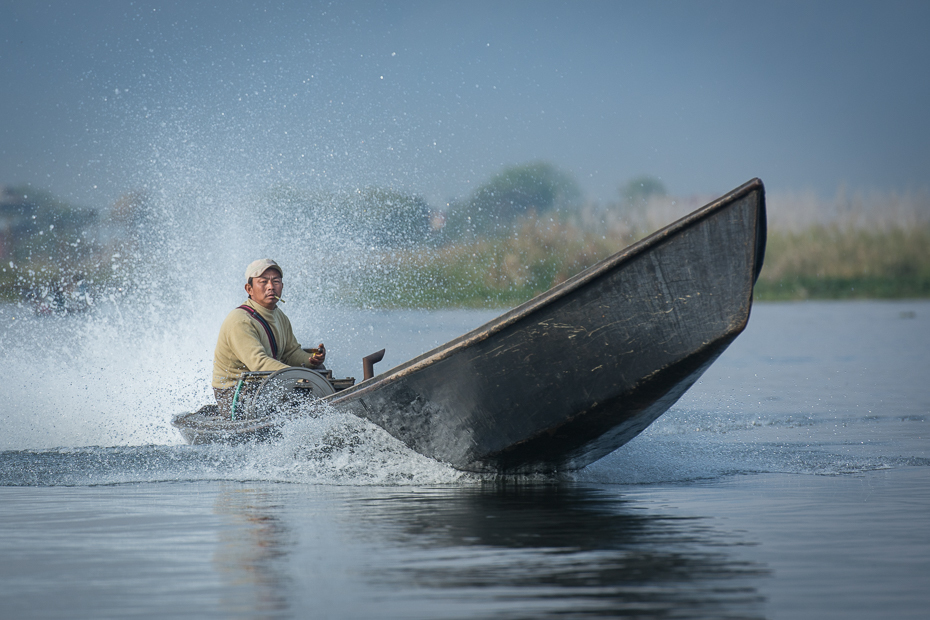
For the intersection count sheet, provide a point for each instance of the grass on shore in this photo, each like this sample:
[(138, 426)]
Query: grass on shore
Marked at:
[(831, 262), (819, 262), (482, 272)]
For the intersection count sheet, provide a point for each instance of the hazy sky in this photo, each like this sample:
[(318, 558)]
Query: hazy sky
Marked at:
[(434, 97)]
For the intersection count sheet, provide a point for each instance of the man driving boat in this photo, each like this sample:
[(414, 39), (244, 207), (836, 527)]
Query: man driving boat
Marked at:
[(257, 336)]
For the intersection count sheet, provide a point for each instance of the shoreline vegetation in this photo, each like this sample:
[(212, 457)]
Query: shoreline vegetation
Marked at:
[(823, 262), (524, 231), (874, 246)]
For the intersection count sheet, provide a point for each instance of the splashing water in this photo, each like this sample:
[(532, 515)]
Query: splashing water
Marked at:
[(89, 400), (115, 374), (89, 396)]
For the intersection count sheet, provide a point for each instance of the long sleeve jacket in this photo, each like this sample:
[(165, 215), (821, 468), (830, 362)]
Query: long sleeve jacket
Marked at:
[(243, 345)]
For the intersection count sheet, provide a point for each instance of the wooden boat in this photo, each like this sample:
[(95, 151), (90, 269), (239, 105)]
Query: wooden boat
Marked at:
[(578, 371)]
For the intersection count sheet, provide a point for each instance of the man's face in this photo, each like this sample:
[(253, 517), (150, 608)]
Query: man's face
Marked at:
[(266, 289)]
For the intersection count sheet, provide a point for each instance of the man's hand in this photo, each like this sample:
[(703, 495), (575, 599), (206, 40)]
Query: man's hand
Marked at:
[(317, 356)]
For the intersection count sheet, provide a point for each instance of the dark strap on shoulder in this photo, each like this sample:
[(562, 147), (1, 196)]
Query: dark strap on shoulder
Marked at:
[(255, 315)]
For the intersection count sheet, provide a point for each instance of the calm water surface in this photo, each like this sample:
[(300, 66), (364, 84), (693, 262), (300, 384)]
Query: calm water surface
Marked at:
[(791, 482)]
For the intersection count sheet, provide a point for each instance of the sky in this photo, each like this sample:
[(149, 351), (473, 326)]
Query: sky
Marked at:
[(229, 97)]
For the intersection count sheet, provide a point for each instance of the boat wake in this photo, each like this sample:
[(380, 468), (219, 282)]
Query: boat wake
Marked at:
[(333, 449)]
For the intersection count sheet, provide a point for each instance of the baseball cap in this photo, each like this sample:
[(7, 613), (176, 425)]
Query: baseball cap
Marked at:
[(258, 267)]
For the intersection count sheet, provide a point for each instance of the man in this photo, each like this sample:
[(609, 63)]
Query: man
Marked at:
[(257, 336)]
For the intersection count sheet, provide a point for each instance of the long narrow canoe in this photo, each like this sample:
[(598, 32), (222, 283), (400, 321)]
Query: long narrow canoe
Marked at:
[(575, 373), (580, 370)]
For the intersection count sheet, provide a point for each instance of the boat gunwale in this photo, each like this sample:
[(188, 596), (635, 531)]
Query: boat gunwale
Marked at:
[(555, 293)]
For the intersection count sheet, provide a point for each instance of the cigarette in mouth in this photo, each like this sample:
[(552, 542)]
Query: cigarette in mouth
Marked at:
[(278, 298)]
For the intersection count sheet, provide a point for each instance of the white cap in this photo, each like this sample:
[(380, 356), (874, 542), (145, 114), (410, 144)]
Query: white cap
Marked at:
[(258, 267)]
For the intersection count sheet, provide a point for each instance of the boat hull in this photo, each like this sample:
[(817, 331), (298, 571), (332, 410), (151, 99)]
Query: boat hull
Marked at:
[(206, 426), (572, 375)]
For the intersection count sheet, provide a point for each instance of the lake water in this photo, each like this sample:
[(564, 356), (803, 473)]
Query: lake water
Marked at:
[(793, 481)]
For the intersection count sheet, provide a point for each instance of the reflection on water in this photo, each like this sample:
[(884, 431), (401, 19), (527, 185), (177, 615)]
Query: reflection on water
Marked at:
[(250, 544), (491, 550), (558, 548)]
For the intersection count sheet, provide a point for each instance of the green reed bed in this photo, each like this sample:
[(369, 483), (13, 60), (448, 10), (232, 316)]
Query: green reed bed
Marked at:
[(499, 271), (819, 262), (835, 262)]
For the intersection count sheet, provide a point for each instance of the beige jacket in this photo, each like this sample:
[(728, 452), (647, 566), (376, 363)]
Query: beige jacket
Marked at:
[(243, 345)]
